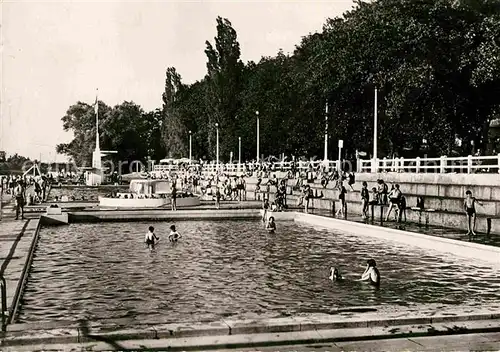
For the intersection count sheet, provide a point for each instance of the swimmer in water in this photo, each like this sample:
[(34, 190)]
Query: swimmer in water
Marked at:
[(335, 274), (150, 238), (371, 273), (271, 225), (174, 235)]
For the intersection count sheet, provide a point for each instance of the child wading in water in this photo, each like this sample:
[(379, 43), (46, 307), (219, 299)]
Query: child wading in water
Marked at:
[(150, 238), (174, 236), (470, 211), (271, 225)]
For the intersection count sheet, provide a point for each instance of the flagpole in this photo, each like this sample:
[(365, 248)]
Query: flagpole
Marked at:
[(96, 157), (326, 133), (97, 119)]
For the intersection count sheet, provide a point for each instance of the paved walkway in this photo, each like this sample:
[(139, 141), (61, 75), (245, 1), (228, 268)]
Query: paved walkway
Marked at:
[(15, 241), (470, 342), (464, 342)]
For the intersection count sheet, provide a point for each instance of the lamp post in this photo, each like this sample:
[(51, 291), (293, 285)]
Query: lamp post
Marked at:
[(258, 137), (217, 127), (375, 134), (190, 148), (326, 133), (239, 153)]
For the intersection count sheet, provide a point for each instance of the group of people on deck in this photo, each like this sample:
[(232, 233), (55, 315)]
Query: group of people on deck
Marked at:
[(381, 195)]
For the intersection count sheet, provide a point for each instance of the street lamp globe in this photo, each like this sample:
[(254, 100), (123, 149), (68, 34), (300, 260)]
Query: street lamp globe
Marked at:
[(216, 124), (257, 113)]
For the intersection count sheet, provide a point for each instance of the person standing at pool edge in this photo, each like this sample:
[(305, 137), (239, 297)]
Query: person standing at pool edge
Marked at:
[(174, 196), (19, 194), (150, 238), (365, 198), (470, 211)]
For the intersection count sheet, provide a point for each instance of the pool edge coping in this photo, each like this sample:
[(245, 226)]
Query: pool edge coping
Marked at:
[(302, 217), (227, 328)]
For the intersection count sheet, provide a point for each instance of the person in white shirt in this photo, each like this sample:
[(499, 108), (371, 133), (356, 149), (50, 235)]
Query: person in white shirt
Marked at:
[(19, 195), (174, 236), (150, 238)]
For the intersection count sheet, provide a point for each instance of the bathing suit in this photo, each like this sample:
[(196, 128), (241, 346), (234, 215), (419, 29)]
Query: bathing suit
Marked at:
[(471, 210), (174, 236), (150, 239), (377, 282), (271, 227)]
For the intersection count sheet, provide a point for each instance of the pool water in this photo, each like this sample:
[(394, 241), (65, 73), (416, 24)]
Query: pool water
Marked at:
[(234, 269)]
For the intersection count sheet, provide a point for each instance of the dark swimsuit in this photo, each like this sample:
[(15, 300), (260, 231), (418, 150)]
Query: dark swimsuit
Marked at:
[(375, 283), (471, 210)]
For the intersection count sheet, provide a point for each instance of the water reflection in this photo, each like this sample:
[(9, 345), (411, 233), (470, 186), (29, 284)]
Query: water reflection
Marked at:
[(233, 268)]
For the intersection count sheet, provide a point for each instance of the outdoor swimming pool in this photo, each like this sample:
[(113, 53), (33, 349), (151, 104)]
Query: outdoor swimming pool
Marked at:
[(233, 269)]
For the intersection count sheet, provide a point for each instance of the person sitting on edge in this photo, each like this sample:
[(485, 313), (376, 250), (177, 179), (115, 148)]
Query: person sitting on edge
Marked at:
[(470, 211), (271, 225), (371, 273), (150, 238), (174, 236)]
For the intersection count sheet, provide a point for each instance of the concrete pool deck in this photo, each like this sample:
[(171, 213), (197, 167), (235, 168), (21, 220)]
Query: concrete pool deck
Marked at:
[(16, 237), (468, 342), (303, 329)]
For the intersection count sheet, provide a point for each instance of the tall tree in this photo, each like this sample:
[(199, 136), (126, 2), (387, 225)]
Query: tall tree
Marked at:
[(80, 118), (174, 130), (223, 88)]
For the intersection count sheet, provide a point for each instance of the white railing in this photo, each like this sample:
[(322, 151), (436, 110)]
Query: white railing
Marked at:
[(238, 169), (469, 164)]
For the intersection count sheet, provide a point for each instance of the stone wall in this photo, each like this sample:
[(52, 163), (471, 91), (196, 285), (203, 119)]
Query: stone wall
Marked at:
[(443, 195)]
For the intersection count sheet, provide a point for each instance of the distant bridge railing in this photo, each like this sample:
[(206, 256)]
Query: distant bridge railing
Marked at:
[(285, 166), (469, 164)]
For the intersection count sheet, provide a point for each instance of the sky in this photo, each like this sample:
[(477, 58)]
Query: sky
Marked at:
[(55, 53)]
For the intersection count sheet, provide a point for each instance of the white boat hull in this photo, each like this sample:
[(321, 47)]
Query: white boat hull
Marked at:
[(146, 202)]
